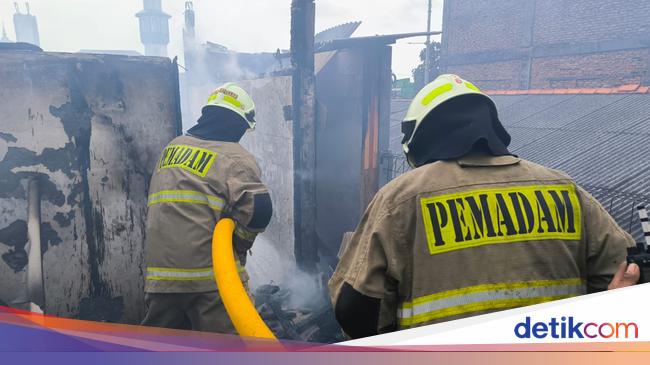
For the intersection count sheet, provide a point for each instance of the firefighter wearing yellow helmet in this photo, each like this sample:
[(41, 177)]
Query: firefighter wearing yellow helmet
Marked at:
[(201, 177), (472, 229)]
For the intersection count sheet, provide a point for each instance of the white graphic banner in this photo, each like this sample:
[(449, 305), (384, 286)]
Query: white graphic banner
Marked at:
[(618, 315)]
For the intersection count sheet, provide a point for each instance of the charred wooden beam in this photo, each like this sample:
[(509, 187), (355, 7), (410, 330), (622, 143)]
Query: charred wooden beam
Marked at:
[(304, 133)]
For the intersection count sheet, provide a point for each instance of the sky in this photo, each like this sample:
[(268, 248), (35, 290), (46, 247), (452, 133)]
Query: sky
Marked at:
[(245, 25)]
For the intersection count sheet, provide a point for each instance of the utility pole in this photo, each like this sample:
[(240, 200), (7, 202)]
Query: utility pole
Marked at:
[(304, 132), (426, 51)]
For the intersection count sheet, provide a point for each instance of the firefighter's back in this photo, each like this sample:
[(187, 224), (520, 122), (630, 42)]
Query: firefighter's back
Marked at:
[(487, 233), (188, 194)]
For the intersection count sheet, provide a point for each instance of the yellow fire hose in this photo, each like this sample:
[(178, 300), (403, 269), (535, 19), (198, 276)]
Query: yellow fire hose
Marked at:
[(241, 310)]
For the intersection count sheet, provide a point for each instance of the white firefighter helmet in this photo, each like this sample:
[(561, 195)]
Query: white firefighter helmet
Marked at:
[(231, 96), (443, 88)]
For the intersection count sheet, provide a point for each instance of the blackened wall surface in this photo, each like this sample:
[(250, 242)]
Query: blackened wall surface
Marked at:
[(521, 44), (353, 94), (90, 128)]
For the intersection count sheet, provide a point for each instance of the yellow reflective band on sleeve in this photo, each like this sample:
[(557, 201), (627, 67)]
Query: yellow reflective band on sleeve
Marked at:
[(186, 196), (436, 92), (486, 297), (189, 158), (173, 274), (504, 215)]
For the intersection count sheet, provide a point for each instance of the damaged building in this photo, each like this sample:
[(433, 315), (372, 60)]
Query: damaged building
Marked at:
[(68, 140), (80, 136), (352, 93)]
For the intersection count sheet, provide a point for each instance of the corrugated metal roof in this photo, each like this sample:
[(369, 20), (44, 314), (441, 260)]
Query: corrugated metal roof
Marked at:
[(567, 111), (599, 139), (529, 107), (344, 30)]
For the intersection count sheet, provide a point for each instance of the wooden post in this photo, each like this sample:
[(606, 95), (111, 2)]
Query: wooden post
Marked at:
[(304, 133)]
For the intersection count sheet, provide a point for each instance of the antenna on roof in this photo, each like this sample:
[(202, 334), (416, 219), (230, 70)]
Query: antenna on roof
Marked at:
[(27, 6)]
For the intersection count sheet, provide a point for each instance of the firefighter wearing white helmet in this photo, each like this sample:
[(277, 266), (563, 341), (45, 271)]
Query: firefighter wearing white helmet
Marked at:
[(472, 229), (234, 98), (201, 177)]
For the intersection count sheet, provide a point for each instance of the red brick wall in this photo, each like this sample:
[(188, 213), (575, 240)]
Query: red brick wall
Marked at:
[(567, 21), (505, 27), (480, 25), (595, 70), (491, 76)]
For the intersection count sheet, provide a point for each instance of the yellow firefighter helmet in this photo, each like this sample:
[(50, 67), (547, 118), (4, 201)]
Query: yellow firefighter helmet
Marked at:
[(231, 96)]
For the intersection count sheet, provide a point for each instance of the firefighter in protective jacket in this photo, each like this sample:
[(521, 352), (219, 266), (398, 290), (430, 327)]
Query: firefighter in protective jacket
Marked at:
[(201, 177), (472, 229)]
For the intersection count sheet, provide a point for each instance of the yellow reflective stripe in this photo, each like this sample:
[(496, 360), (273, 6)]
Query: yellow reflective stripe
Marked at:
[(477, 307), (436, 92), (486, 297), (491, 287), (186, 196), (230, 100), (166, 278), (163, 192), (175, 274), (205, 270)]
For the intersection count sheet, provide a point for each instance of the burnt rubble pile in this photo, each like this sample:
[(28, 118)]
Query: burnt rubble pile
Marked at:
[(315, 323)]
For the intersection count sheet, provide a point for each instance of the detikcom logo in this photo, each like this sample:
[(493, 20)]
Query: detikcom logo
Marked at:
[(568, 327)]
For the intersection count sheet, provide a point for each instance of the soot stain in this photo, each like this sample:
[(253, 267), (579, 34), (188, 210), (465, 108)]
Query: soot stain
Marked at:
[(15, 236), (76, 116)]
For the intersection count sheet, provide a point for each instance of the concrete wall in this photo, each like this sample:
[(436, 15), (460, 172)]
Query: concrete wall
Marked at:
[(91, 129), (520, 44), (271, 143)]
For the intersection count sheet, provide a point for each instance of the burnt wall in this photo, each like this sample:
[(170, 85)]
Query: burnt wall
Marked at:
[(353, 94), (90, 128)]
